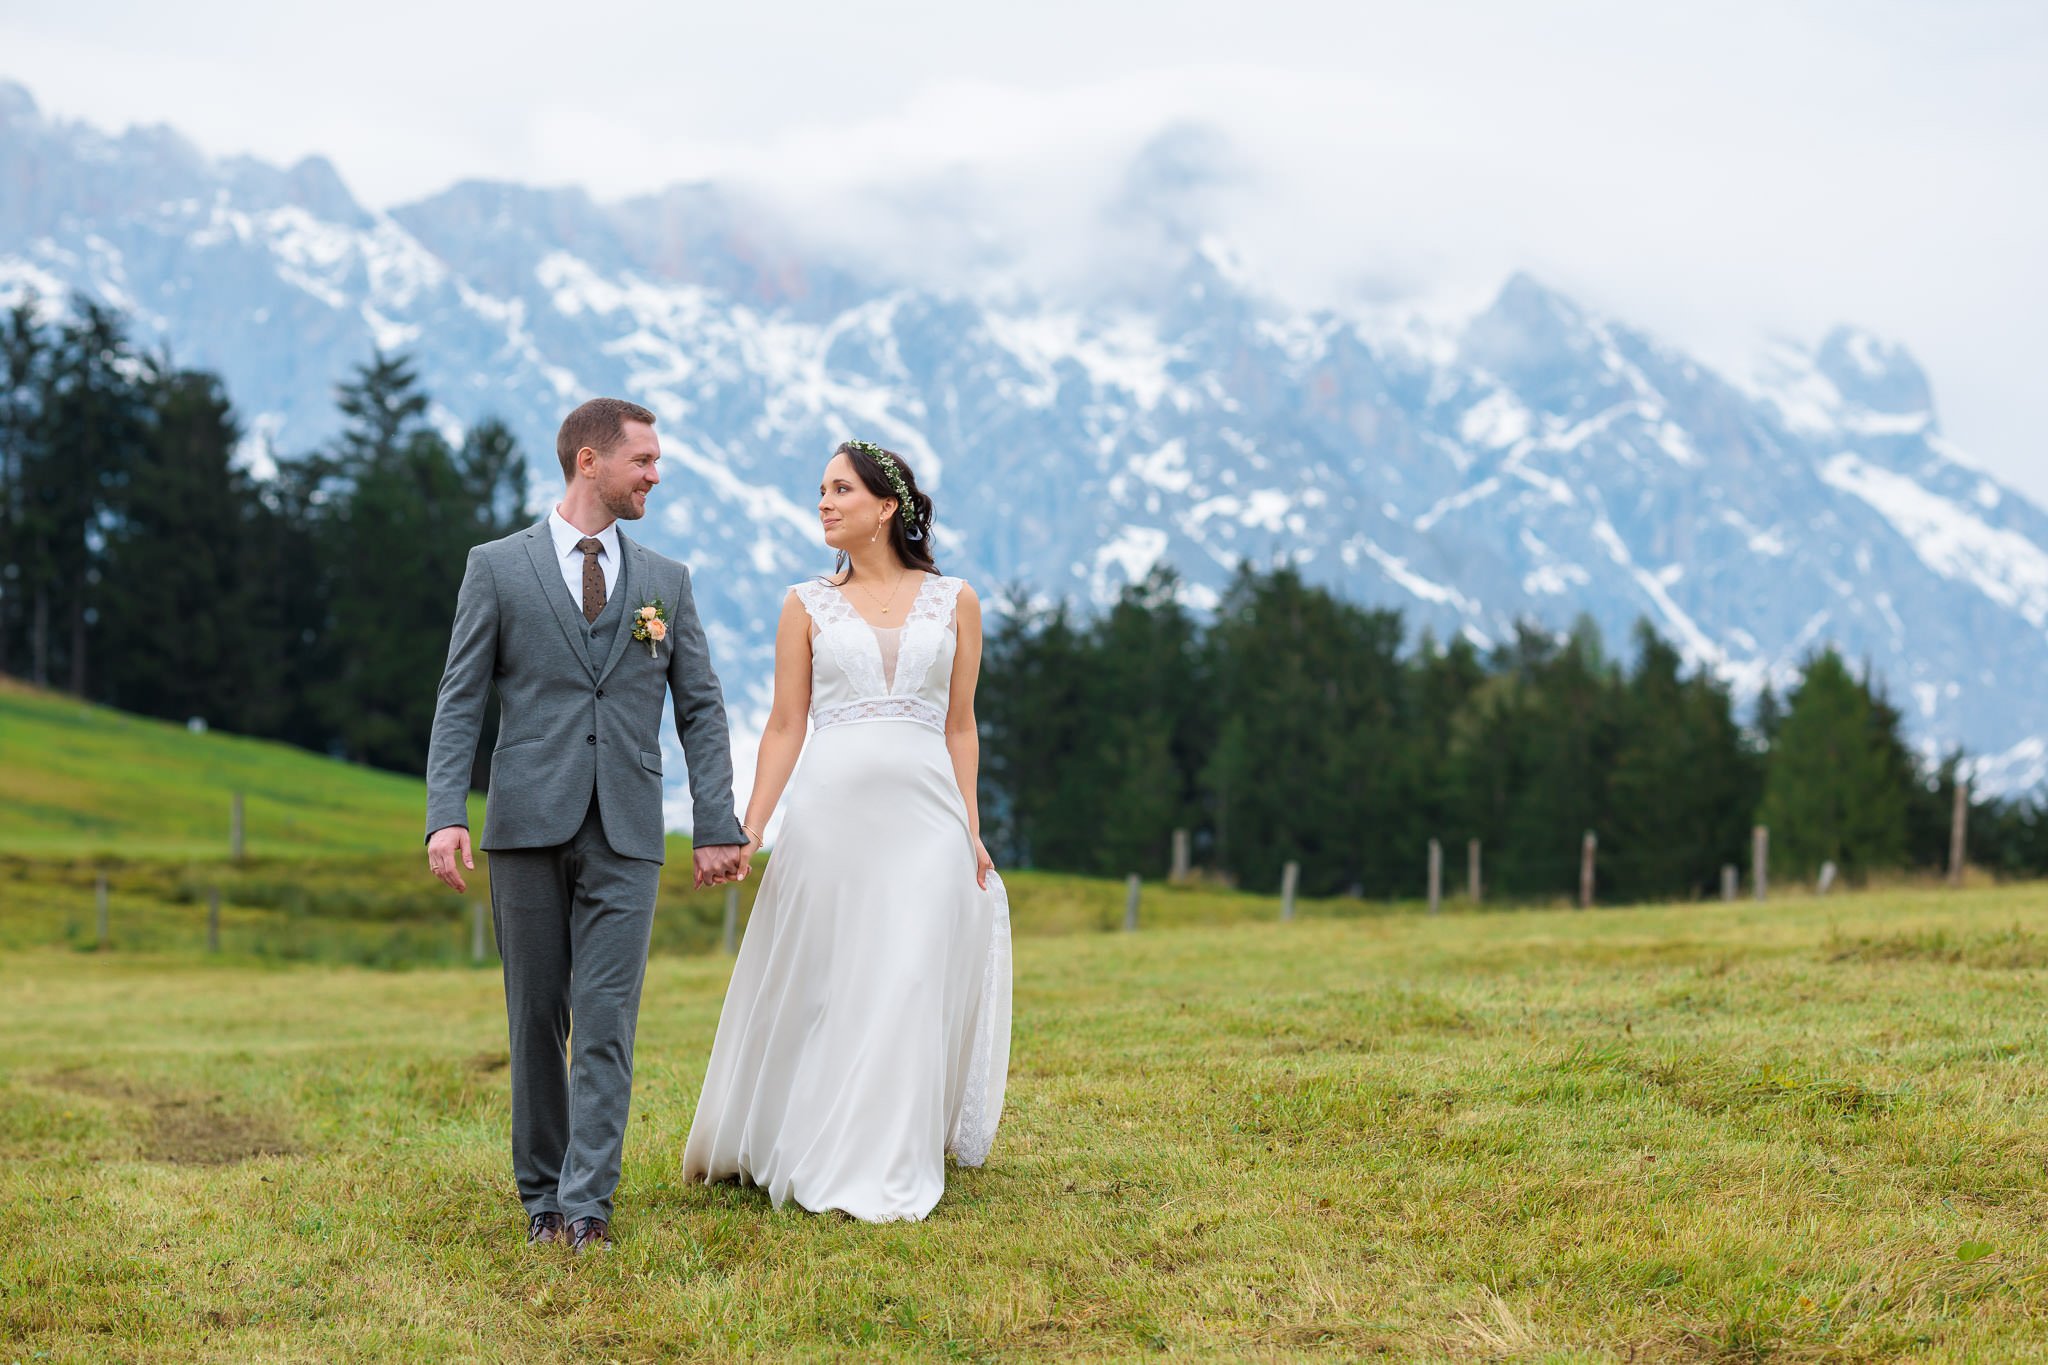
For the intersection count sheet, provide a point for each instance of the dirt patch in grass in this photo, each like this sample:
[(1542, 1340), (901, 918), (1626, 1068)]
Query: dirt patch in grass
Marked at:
[(183, 1127)]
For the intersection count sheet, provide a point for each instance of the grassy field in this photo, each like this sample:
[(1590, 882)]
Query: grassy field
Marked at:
[(1807, 1130), (1790, 1132)]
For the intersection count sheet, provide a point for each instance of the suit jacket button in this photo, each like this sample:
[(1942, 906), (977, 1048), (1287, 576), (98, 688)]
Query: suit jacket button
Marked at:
[(600, 691), (590, 739)]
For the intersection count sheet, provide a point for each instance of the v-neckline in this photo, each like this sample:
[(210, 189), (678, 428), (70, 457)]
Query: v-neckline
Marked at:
[(861, 616)]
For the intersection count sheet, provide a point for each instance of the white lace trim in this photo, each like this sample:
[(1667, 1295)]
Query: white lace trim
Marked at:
[(879, 708), (935, 599), (858, 652), (931, 615), (981, 1099), (826, 604)]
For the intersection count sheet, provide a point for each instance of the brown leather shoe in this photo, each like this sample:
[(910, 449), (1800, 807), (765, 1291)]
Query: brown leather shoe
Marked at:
[(545, 1229), (590, 1234)]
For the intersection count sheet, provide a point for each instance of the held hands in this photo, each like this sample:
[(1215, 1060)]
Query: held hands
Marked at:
[(717, 864), (448, 844)]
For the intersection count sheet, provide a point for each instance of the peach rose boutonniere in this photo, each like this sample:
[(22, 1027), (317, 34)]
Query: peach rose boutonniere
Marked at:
[(650, 623)]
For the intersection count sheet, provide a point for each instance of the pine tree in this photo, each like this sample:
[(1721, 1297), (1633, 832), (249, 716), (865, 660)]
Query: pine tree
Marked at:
[(1833, 789), (399, 511), (494, 471), (25, 534), (1566, 744), (94, 418), (1144, 668), (1312, 763), (1042, 736), (1682, 783), (178, 638)]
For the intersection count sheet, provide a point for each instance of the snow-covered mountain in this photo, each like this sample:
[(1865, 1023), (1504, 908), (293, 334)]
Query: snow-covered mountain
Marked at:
[(1535, 461)]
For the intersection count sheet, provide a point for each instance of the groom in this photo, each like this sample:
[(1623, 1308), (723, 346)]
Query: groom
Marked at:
[(580, 630)]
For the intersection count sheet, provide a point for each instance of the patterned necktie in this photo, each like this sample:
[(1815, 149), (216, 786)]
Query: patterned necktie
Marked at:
[(593, 578)]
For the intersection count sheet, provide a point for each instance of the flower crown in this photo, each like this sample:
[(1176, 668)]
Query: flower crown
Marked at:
[(905, 507)]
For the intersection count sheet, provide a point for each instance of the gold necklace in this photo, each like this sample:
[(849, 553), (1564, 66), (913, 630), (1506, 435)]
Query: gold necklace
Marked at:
[(886, 606)]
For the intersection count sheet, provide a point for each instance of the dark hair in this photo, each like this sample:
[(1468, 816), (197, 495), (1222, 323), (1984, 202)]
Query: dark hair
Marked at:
[(916, 553), (598, 424)]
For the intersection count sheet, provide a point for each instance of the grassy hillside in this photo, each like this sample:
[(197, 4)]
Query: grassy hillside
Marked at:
[(335, 870), (1799, 1132), (81, 780)]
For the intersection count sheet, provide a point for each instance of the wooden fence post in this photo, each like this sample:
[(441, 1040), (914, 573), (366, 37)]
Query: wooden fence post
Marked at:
[(1131, 887), (100, 911), (1958, 828), (213, 919), (1473, 890), (476, 932), (1183, 856), (1760, 861), (1587, 846), (1436, 876), (1728, 880), (235, 830), (732, 920), (1290, 882)]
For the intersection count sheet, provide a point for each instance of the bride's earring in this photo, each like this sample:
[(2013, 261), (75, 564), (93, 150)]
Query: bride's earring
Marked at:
[(878, 531)]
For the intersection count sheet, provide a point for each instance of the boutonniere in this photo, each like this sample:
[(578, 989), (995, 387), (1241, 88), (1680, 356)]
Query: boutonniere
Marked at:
[(651, 625)]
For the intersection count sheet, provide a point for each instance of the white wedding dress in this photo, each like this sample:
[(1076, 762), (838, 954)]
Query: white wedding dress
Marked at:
[(866, 1033)]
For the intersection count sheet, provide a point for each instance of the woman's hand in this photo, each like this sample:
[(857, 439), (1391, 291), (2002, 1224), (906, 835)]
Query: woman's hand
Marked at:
[(748, 850), (983, 864)]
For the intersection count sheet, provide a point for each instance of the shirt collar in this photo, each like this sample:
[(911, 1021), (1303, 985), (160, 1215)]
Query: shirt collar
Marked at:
[(566, 536)]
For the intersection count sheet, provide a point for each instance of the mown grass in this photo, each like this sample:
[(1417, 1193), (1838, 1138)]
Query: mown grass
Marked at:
[(1806, 1131)]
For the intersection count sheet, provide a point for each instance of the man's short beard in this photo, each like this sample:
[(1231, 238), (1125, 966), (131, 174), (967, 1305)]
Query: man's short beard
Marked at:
[(621, 506)]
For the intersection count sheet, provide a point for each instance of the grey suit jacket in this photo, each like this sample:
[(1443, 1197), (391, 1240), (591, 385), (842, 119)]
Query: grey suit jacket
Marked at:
[(566, 728)]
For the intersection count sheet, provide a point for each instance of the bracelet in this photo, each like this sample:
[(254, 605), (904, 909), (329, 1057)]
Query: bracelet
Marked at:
[(749, 833)]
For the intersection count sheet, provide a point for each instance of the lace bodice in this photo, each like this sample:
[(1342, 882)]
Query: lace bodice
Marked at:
[(859, 673)]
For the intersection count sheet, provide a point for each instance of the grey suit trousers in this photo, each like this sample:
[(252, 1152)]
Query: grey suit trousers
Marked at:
[(573, 925)]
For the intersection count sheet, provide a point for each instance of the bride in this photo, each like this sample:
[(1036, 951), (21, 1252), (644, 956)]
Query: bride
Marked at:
[(866, 1033)]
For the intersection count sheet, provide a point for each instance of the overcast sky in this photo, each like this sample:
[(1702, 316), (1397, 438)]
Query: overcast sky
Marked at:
[(1717, 172)]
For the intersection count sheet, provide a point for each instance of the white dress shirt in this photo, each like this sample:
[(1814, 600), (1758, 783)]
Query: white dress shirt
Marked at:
[(571, 559)]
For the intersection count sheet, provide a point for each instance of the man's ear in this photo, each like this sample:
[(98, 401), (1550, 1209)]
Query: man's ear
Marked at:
[(581, 467)]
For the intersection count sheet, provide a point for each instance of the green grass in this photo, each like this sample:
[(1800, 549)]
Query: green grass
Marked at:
[(1807, 1130), (1811, 1131), (79, 780)]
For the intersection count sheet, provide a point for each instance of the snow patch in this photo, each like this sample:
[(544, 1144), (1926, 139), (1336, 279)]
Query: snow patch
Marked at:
[(1134, 550), (1165, 468), (1428, 590), (1554, 580), (2003, 565), (1495, 421)]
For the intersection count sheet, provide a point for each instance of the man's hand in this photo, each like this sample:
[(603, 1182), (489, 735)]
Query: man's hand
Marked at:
[(717, 864), (447, 844)]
